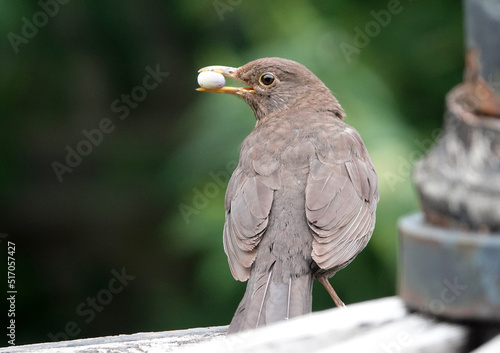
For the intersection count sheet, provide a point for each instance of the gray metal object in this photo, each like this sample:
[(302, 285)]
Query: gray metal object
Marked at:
[(450, 253), (458, 181), (449, 273)]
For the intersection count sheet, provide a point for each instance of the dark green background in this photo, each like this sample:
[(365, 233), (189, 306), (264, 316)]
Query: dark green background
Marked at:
[(119, 208)]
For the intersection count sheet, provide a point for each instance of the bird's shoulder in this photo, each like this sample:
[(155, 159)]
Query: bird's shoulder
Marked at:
[(331, 137), (337, 143), (290, 144)]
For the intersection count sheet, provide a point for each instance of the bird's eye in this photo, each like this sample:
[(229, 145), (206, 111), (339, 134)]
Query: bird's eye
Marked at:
[(266, 79)]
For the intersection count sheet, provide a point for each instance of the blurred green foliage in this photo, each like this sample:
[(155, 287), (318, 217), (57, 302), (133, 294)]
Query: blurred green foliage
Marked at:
[(124, 204)]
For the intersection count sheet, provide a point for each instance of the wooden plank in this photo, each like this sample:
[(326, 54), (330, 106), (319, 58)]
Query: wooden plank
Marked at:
[(140, 342), (411, 334), (381, 325), (377, 326)]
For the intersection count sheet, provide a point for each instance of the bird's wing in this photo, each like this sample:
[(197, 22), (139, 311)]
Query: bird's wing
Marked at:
[(341, 197), (249, 198)]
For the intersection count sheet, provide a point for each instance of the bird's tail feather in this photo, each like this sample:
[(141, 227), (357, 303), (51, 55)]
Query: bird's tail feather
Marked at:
[(270, 298)]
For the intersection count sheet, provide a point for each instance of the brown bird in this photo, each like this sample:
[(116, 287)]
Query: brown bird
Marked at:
[(301, 203)]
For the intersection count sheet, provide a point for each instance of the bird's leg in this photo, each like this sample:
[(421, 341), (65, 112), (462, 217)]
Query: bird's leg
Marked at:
[(331, 291)]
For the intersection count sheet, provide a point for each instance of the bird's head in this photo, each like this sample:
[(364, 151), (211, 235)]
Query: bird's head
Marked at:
[(276, 85)]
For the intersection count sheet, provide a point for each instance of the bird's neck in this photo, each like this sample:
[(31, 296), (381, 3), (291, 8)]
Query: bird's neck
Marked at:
[(321, 103)]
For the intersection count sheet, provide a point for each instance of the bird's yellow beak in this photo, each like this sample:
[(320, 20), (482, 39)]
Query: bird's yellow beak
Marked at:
[(227, 71)]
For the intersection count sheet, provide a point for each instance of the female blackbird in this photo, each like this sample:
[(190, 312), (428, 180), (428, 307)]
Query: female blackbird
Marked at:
[(301, 203)]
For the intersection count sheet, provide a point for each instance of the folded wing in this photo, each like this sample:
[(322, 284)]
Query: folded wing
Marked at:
[(341, 198), (248, 203)]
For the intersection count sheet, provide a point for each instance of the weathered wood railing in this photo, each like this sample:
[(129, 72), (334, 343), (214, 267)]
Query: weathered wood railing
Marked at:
[(382, 325)]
